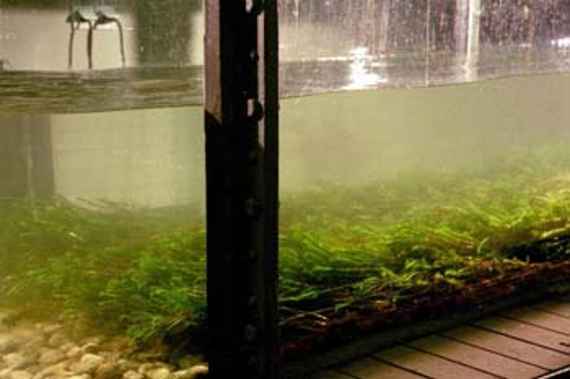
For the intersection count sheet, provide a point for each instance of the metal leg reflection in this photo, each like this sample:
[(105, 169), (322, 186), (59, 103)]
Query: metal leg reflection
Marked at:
[(103, 19), (75, 19)]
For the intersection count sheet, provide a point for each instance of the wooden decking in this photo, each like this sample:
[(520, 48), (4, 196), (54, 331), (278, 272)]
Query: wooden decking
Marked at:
[(526, 343)]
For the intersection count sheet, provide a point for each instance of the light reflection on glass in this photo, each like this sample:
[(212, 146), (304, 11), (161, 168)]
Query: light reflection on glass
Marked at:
[(361, 77), (561, 43)]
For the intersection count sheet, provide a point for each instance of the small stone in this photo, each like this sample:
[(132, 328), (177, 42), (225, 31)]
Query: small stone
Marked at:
[(33, 343), (4, 317), (120, 343), (189, 361), (57, 340), (7, 344), (68, 346), (16, 361), (51, 357), (74, 352), (159, 373), (127, 365), (95, 339), (150, 366), (32, 369), (58, 370), (19, 374), (82, 376), (24, 334), (90, 347), (42, 349), (132, 375), (108, 371), (51, 328), (196, 372), (88, 364)]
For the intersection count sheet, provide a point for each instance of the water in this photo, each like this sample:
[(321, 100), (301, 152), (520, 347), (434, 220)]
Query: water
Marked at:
[(94, 208), (366, 135), (147, 158), (402, 202), (386, 195), (360, 136), (400, 186), (153, 158)]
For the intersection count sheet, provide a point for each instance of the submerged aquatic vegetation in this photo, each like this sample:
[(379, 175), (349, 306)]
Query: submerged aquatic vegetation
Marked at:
[(341, 248)]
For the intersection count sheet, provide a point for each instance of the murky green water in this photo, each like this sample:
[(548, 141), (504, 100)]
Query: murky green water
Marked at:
[(390, 193), (147, 158), (102, 213), (154, 157), (364, 135)]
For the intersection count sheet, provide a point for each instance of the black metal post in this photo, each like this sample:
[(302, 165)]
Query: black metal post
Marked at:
[(242, 187)]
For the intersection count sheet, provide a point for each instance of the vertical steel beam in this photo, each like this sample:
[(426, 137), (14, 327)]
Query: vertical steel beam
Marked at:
[(242, 181)]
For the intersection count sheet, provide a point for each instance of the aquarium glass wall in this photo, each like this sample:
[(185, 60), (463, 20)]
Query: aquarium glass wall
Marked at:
[(424, 170), (424, 161), (101, 187)]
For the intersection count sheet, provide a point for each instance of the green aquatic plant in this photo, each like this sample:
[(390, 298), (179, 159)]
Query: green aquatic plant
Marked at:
[(341, 248)]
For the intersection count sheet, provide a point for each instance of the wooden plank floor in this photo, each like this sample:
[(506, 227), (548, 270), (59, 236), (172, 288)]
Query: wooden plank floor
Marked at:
[(525, 343)]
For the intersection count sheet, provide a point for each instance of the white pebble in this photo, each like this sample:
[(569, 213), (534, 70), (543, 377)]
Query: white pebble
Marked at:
[(19, 374), (82, 376), (16, 361), (194, 372), (90, 347), (74, 352), (57, 340), (132, 375), (51, 357), (159, 373), (87, 364), (7, 344), (51, 328)]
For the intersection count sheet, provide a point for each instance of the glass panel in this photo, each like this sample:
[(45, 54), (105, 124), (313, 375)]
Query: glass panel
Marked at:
[(332, 45), (143, 54), (362, 44), (408, 204), (101, 189), (394, 203)]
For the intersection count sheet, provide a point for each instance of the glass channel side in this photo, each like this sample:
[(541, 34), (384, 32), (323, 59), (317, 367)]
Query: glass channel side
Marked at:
[(387, 195), (102, 238), (342, 45), (325, 46), (409, 202), (393, 195), (52, 36), (102, 187)]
